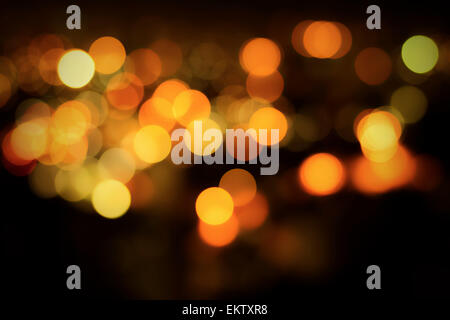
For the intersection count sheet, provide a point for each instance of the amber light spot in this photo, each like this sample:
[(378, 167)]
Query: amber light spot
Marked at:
[(321, 174)]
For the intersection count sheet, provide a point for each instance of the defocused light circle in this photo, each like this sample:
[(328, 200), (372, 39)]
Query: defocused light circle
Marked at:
[(152, 144), (420, 54), (219, 235), (240, 184), (260, 56), (269, 119), (214, 206), (111, 199), (373, 66), (322, 39), (322, 174), (108, 54), (76, 68), (411, 102)]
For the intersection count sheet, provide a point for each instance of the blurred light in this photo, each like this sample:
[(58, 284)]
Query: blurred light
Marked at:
[(111, 199), (429, 173), (170, 55), (170, 89), (76, 68), (219, 235), (420, 54), (297, 37), (125, 91), (5, 90), (269, 118), (191, 105), (346, 41), (260, 56), (214, 206), (117, 164), (378, 133), (48, 65), (252, 214), (152, 144), (97, 105), (157, 111), (372, 177), (108, 54), (9, 153), (322, 39), (373, 66), (268, 88), (42, 181), (206, 147), (29, 139), (411, 102), (145, 64), (240, 184), (70, 122), (321, 174), (142, 190), (74, 185)]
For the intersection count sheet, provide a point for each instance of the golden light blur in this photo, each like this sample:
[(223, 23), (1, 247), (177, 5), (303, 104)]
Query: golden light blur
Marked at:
[(152, 144), (111, 199), (260, 57), (207, 146), (378, 133), (252, 214), (373, 178), (214, 206), (118, 164), (321, 174), (268, 88), (322, 39), (373, 66), (219, 235), (269, 119), (145, 64), (157, 111), (240, 184), (108, 54), (125, 91), (190, 105), (76, 68)]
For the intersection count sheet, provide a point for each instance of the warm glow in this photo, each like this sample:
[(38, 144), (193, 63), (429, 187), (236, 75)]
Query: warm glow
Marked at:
[(191, 105), (145, 64), (152, 144), (48, 65), (260, 56), (170, 89), (125, 91), (111, 199), (157, 111), (70, 122), (253, 214), (29, 139), (240, 184), (373, 66), (118, 164), (372, 177), (76, 68), (219, 235), (322, 39), (207, 146), (170, 54), (321, 174), (108, 54), (214, 206), (268, 88), (269, 118)]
